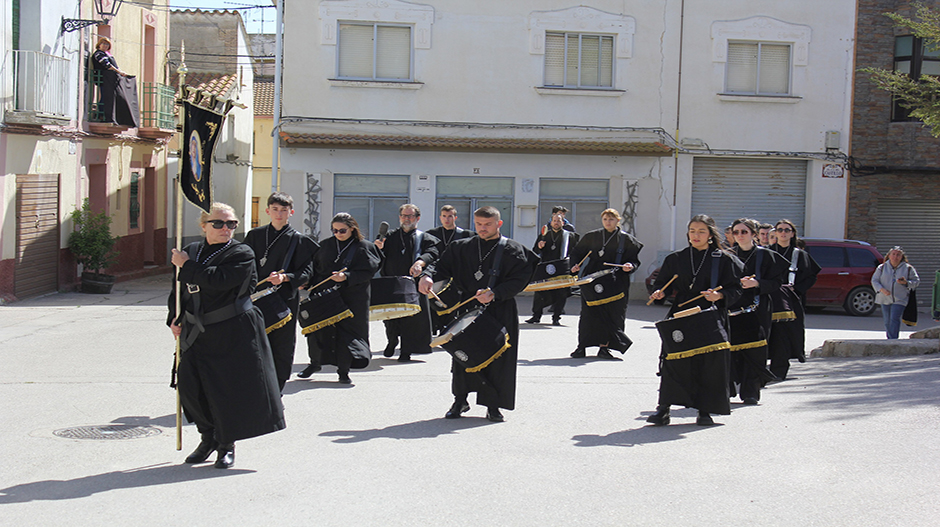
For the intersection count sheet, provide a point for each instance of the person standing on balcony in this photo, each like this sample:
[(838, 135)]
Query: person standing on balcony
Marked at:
[(107, 67)]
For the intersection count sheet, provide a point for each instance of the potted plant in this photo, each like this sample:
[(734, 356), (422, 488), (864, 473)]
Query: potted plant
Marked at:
[(93, 246)]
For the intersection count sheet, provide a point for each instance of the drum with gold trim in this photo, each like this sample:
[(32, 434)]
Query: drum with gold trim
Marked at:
[(702, 332), (474, 340), (554, 274), (393, 297), (602, 289), (321, 309), (274, 309)]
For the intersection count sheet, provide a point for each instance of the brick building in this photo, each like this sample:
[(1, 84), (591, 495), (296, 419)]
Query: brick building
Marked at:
[(894, 189)]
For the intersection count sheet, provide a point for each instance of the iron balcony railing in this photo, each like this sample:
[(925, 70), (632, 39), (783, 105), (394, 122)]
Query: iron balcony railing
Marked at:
[(157, 106), (40, 83)]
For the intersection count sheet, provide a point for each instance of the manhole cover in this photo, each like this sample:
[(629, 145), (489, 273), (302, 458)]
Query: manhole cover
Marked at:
[(107, 432)]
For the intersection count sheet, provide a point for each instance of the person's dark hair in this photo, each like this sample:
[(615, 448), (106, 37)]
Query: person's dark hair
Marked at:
[(346, 219), (747, 222), (763, 226), (487, 212), (281, 198), (449, 208), (558, 208), (411, 206), (714, 237), (794, 241)]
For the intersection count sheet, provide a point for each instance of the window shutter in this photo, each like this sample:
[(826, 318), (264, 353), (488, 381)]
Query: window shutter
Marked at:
[(590, 60), (741, 68), (393, 53), (554, 59), (607, 62), (355, 51), (774, 69), (571, 61)]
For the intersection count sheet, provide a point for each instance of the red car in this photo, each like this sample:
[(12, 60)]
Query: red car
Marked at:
[(845, 278)]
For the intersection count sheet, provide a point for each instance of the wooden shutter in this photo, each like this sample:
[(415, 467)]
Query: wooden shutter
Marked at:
[(355, 51), (741, 68), (774, 69), (36, 268), (913, 224), (393, 53), (554, 59)]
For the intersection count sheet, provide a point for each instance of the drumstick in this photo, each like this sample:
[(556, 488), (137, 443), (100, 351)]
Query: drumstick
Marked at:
[(699, 296), (327, 279), (615, 264), (470, 299), (664, 287), (268, 278), (439, 301), (585, 258)]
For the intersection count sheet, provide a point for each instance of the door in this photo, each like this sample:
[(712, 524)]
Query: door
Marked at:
[(36, 268)]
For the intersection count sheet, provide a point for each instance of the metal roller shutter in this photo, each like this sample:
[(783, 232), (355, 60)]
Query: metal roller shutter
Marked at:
[(914, 224), (36, 268), (763, 189)]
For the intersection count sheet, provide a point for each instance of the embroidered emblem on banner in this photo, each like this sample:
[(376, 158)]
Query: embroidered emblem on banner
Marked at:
[(677, 336), (550, 269), (598, 288)]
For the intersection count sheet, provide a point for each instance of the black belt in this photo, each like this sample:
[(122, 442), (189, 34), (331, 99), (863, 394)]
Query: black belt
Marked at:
[(199, 322)]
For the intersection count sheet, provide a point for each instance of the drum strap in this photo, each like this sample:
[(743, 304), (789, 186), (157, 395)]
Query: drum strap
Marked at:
[(565, 237), (623, 237), (497, 258), (794, 260), (716, 261), (294, 239), (419, 237)]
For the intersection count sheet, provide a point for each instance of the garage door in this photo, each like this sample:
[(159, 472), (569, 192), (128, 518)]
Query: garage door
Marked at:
[(914, 224), (763, 189), (36, 269)]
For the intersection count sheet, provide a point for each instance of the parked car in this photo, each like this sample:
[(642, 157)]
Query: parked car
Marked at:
[(845, 278)]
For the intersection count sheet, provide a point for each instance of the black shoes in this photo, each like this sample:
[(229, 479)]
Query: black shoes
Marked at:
[(750, 401), (456, 410), (205, 447), (309, 370), (344, 378), (578, 353), (404, 358), (389, 351), (660, 418), (226, 457), (604, 353), (704, 419), (533, 320), (556, 321), (494, 415)]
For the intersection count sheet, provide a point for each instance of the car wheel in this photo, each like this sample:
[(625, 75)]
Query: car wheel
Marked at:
[(860, 302)]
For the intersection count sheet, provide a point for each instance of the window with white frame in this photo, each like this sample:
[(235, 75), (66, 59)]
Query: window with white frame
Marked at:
[(758, 68), (579, 60), (374, 52)]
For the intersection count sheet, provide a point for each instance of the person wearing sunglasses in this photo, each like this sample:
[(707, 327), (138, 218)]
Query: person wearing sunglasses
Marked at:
[(226, 377), (283, 257), (344, 344), (750, 317), (788, 336), (407, 252)]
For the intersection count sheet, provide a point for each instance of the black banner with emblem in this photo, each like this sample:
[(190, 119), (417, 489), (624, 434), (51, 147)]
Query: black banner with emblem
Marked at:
[(201, 129)]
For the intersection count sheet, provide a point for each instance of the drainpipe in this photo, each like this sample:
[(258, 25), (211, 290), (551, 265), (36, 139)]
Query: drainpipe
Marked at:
[(278, 59)]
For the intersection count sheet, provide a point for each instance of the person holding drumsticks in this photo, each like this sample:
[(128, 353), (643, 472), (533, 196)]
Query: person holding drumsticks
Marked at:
[(602, 322), (496, 269), (555, 244), (702, 275), (350, 261), (226, 378)]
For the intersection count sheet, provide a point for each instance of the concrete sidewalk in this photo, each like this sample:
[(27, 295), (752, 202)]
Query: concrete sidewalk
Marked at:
[(844, 442)]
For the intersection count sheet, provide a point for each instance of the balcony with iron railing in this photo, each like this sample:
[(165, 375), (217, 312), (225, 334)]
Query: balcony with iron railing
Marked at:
[(156, 111), (40, 89)]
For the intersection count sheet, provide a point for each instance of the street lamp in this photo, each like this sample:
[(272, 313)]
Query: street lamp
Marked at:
[(107, 10)]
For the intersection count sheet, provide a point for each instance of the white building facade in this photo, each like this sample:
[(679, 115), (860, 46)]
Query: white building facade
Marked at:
[(659, 109)]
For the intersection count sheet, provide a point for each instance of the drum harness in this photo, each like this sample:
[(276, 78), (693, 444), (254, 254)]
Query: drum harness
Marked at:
[(753, 307), (287, 258), (200, 320)]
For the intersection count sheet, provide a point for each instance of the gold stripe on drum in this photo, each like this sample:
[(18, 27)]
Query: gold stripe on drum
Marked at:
[(390, 311), (491, 359), (603, 301), (783, 316), (280, 324), (698, 351), (749, 345), (328, 322)]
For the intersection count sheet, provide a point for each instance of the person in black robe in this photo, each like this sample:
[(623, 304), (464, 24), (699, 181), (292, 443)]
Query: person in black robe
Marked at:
[(446, 233), (555, 243), (602, 324), (273, 244), (788, 338), (471, 262), (104, 63), (225, 377), (344, 344), (750, 316), (407, 251), (700, 380)]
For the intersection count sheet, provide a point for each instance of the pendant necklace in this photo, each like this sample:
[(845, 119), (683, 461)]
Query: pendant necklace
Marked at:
[(340, 252), (444, 235), (479, 274), (264, 259), (753, 250), (198, 253), (606, 241), (692, 264), (555, 239)]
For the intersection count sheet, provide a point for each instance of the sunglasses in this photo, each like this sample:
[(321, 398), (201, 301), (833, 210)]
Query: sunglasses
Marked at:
[(218, 224), (340, 231), (741, 233), (784, 229)]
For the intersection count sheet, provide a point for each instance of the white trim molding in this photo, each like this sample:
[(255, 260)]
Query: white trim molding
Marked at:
[(762, 29), (581, 20), (392, 11)]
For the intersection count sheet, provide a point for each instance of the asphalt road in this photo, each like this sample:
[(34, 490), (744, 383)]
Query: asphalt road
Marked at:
[(844, 442)]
